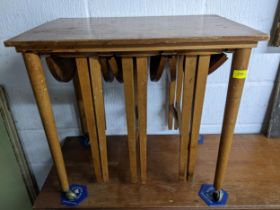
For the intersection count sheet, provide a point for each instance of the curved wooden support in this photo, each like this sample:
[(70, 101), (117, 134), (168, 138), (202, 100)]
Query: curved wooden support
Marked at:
[(111, 68), (62, 68), (216, 61), (105, 68), (115, 64), (157, 64)]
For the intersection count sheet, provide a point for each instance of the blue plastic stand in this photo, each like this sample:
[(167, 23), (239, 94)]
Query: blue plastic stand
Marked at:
[(206, 194), (201, 139), (84, 140), (81, 194)]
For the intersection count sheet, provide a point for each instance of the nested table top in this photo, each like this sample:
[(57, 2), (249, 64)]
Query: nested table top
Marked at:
[(136, 31)]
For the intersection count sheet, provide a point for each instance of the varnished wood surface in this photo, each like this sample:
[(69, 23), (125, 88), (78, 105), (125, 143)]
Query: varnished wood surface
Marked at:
[(89, 110), (172, 63), (142, 80), (185, 118), (98, 98), (80, 104), (199, 92), (179, 87), (130, 101), (136, 31), (235, 87), (252, 179), (37, 78)]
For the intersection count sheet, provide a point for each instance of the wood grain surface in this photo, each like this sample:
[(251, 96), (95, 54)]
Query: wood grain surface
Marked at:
[(199, 92), (252, 176), (130, 101), (142, 80), (98, 98), (240, 60), (89, 110), (185, 118), (38, 81), (132, 31)]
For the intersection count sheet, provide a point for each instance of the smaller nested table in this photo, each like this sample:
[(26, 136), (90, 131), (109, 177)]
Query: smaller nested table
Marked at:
[(89, 45)]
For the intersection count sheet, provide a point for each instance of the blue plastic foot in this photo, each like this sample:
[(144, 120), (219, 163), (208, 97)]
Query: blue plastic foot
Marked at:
[(84, 140), (201, 139), (77, 193), (211, 197)]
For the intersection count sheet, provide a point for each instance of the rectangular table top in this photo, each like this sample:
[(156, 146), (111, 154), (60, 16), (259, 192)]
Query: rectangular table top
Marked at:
[(135, 31)]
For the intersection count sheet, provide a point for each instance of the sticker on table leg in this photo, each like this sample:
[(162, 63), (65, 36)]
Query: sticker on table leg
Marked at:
[(200, 139), (212, 197), (239, 74), (75, 195)]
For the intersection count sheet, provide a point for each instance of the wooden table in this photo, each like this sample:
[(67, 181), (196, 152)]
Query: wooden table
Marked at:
[(192, 39)]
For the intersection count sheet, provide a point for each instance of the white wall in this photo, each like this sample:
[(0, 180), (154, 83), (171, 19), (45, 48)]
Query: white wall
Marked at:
[(17, 16)]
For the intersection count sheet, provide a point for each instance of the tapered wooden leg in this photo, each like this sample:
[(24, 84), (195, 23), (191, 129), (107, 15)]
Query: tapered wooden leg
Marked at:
[(85, 84), (97, 89), (171, 89), (179, 86), (189, 79), (142, 75), (136, 97), (201, 79), (236, 83), (38, 82), (171, 95), (80, 104), (128, 77)]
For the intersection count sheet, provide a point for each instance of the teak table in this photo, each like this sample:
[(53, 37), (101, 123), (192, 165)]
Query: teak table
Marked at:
[(121, 48)]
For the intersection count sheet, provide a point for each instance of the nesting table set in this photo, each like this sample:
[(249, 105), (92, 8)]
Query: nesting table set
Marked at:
[(90, 50)]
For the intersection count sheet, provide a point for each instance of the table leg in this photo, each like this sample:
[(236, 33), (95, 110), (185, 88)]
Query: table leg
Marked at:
[(200, 84), (179, 86), (171, 89), (38, 82), (240, 62), (84, 79), (142, 75), (97, 89), (80, 104), (189, 80), (136, 98), (128, 77)]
